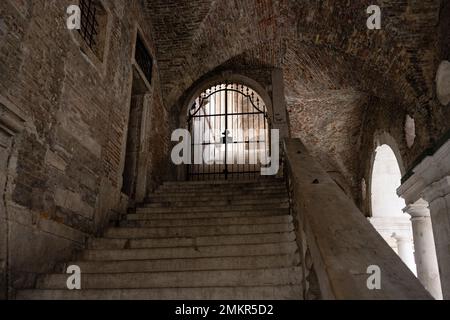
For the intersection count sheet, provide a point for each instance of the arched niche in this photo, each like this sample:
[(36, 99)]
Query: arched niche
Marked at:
[(386, 178), (386, 206), (194, 101)]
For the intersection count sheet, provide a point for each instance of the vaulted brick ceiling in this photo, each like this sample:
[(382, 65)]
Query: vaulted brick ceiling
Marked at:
[(194, 37), (175, 24), (332, 63)]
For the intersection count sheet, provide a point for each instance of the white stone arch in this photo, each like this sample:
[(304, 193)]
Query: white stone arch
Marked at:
[(382, 138), (384, 181), (386, 207)]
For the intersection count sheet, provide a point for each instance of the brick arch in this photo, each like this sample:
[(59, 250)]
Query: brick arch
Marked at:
[(203, 84)]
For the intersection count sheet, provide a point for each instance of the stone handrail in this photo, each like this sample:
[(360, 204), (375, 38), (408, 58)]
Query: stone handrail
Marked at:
[(337, 241)]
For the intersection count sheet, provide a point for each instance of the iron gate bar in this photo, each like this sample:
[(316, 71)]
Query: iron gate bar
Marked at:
[(226, 132), (215, 173), (230, 114), (234, 142)]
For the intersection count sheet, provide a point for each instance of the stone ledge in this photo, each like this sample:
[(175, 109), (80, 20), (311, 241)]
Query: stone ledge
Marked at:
[(12, 120), (342, 242), (24, 217), (431, 169)]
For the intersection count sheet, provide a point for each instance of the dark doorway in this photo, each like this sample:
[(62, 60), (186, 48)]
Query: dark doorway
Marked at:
[(142, 78), (133, 146)]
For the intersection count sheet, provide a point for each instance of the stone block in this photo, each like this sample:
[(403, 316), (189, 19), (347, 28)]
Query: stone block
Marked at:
[(73, 201), (54, 160)]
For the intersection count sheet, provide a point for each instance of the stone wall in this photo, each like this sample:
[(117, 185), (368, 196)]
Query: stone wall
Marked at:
[(65, 169)]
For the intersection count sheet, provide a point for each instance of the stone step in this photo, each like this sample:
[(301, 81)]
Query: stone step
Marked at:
[(152, 223), (102, 243), (222, 202), (244, 183), (220, 196), (287, 292), (211, 208), (215, 190), (190, 252), (215, 184), (189, 264), (207, 215), (192, 240), (141, 233), (185, 279)]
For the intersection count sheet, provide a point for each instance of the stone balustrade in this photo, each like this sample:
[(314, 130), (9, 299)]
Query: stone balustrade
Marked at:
[(341, 243)]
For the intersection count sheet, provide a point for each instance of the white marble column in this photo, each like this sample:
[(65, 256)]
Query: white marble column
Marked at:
[(430, 181), (424, 248), (404, 248), (438, 196)]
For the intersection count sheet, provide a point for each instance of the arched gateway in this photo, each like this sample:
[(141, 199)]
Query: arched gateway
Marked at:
[(230, 133)]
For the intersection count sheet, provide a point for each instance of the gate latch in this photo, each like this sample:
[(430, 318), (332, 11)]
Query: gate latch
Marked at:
[(226, 137)]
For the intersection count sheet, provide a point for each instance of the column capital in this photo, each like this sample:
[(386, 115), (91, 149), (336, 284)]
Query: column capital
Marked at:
[(419, 209), (437, 189)]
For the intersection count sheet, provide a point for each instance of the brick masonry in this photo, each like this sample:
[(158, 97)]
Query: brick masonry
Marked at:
[(65, 172)]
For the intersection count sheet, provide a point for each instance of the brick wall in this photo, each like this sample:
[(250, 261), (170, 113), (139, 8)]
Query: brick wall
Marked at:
[(65, 172)]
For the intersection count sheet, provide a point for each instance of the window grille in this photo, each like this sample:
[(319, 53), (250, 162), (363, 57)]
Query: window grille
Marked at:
[(143, 58), (89, 23)]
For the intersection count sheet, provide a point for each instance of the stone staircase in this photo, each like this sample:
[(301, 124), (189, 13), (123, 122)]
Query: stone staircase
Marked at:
[(192, 240)]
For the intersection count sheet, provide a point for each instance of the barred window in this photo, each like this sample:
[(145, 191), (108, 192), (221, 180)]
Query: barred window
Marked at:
[(93, 25), (143, 58)]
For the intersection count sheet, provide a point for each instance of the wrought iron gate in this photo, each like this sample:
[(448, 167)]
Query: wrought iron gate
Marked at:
[(230, 132)]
